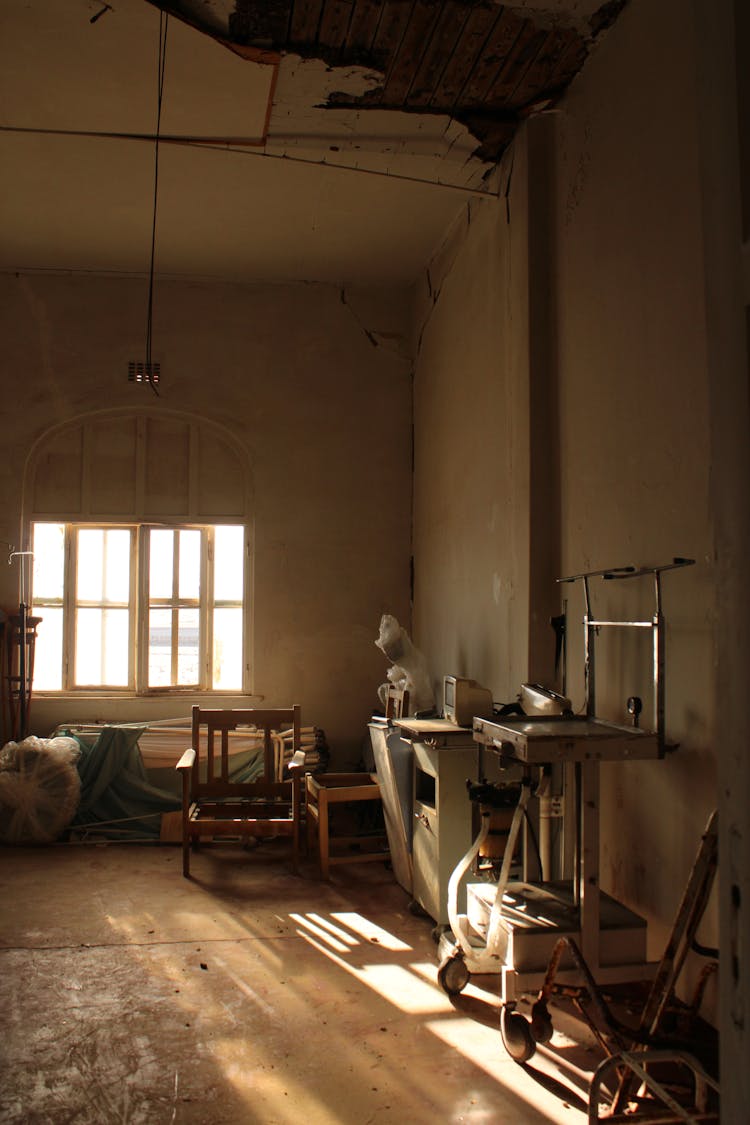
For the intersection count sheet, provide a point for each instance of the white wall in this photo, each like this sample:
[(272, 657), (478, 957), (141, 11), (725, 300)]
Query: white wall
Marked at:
[(316, 385), (635, 445), (471, 442)]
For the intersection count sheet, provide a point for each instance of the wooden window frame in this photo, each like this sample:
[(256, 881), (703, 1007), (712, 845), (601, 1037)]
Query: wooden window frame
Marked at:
[(139, 609)]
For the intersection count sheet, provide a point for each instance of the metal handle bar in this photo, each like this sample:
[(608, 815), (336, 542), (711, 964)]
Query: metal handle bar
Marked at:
[(678, 562), (592, 625), (614, 570), (627, 571)]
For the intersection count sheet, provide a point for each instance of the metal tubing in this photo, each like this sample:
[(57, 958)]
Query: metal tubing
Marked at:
[(497, 937), (589, 664), (624, 624), (453, 883), (589, 897), (577, 856), (545, 847)]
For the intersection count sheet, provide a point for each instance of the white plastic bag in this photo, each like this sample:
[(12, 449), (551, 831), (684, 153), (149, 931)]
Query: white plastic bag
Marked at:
[(409, 669), (39, 789)]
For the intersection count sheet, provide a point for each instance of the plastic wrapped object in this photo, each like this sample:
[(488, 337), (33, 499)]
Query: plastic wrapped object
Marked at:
[(409, 668), (39, 789)]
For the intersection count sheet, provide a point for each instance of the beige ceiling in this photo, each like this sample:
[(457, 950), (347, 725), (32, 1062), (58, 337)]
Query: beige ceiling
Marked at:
[(78, 110)]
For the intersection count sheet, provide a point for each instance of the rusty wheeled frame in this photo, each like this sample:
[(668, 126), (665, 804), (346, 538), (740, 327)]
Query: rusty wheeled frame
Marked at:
[(631, 1051), (635, 1065)]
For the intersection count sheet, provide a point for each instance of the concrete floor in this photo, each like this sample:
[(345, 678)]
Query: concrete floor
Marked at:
[(246, 994)]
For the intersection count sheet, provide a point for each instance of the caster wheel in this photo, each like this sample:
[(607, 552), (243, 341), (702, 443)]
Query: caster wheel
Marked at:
[(515, 1030), (541, 1023), (453, 976)]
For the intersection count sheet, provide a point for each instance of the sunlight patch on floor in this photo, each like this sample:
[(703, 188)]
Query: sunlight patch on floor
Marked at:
[(394, 983), (321, 932), (370, 931), (484, 1047)]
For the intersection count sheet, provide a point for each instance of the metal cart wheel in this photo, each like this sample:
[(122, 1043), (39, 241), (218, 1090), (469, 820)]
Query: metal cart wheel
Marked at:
[(515, 1030), (453, 976)]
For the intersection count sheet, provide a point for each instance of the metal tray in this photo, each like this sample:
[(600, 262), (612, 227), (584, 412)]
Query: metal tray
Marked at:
[(540, 739)]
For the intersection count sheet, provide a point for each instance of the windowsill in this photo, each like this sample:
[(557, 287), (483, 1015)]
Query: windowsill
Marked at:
[(104, 694)]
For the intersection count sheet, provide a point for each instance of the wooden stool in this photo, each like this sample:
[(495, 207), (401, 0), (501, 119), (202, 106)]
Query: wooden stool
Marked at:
[(325, 790)]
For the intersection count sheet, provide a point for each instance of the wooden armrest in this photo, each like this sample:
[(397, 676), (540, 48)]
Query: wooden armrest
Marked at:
[(186, 761)]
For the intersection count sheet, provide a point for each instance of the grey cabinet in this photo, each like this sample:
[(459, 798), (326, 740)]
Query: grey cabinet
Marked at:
[(445, 757), (395, 772)]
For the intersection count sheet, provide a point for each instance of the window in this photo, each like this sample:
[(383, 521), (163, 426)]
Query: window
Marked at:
[(138, 608)]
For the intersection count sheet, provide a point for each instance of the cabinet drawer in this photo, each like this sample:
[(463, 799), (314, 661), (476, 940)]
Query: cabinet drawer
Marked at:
[(425, 862)]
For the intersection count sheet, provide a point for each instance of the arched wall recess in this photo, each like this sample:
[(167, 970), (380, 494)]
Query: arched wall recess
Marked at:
[(125, 465)]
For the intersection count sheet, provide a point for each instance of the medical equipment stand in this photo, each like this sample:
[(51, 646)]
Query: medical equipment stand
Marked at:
[(516, 932)]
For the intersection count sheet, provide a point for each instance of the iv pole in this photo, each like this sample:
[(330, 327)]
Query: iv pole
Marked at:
[(24, 636)]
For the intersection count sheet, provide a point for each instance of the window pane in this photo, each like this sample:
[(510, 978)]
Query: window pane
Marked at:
[(48, 650), (102, 641), (116, 637), (160, 648), (103, 565), (48, 545), (90, 579), (117, 565), (88, 664), (190, 564), (188, 651), (227, 671), (161, 562), (229, 554)]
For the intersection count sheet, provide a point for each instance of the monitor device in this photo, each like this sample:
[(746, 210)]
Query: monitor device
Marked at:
[(463, 699)]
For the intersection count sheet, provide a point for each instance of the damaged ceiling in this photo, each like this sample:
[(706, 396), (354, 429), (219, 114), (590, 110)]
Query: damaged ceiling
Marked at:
[(308, 140), (484, 64)]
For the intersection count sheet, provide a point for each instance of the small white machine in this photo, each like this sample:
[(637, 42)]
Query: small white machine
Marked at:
[(535, 699), (463, 700)]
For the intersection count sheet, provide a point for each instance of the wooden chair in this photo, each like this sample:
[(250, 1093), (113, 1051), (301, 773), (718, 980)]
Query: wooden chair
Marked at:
[(215, 806), (396, 703)]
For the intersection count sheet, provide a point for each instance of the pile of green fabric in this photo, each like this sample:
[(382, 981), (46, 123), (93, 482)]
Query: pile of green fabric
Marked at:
[(70, 784), (117, 799)]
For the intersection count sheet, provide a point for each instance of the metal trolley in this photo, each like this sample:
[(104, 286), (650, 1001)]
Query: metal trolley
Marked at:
[(568, 933)]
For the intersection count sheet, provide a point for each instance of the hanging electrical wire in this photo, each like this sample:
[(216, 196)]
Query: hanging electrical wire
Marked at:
[(161, 68)]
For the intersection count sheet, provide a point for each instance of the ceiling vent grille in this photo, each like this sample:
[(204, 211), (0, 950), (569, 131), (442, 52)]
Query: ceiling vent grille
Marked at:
[(144, 372)]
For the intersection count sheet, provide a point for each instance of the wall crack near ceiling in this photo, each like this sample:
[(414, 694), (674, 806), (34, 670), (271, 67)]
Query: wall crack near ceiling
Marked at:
[(370, 336), (389, 341)]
